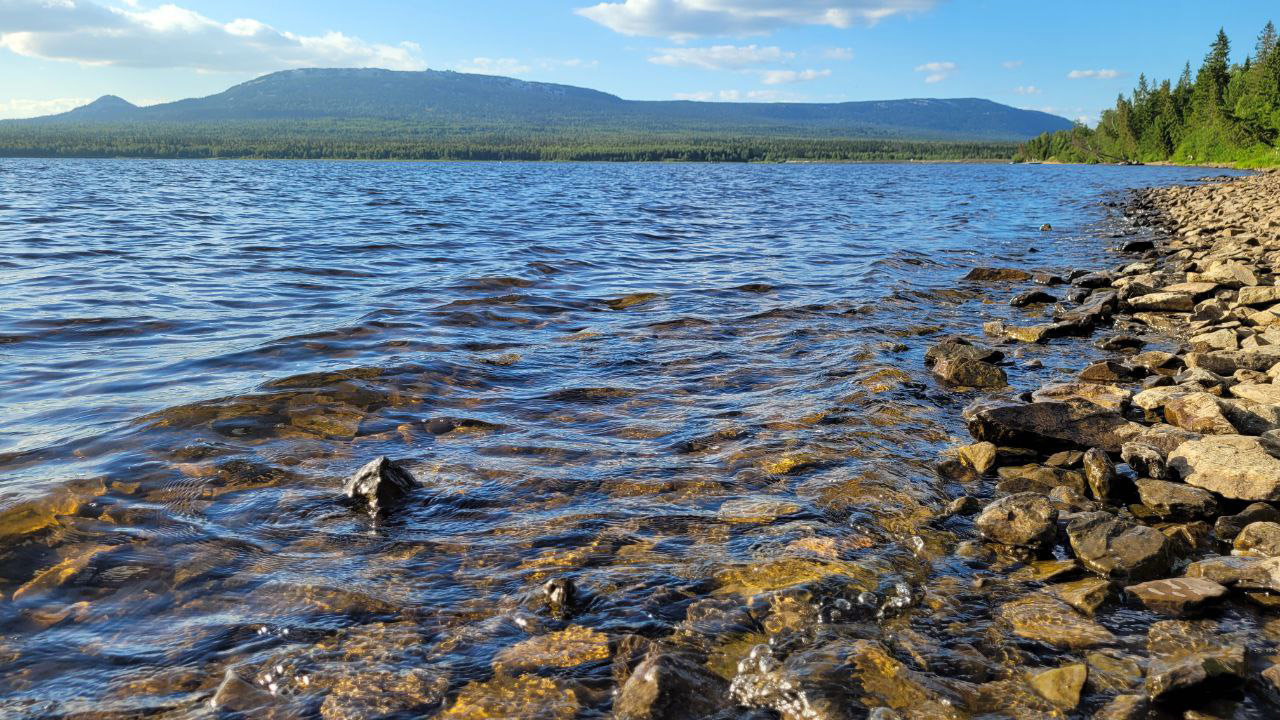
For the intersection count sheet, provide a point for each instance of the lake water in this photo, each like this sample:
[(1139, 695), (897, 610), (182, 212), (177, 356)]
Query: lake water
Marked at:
[(677, 386)]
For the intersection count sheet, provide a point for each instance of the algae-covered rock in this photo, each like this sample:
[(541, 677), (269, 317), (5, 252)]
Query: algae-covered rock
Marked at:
[(1046, 619), (526, 696), (575, 645)]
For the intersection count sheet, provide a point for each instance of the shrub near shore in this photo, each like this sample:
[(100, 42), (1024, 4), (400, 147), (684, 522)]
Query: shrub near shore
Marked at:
[(1225, 114)]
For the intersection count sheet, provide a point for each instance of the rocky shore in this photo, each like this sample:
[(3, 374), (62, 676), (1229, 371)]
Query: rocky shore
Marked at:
[(1150, 482)]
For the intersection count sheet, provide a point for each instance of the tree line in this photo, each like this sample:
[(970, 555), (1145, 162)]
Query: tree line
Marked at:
[(1225, 112)]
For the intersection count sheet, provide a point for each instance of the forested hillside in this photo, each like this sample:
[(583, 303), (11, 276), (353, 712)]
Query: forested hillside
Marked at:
[(1224, 113)]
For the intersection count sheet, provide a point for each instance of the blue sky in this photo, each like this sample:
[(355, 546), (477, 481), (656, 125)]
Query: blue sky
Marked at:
[(1071, 59)]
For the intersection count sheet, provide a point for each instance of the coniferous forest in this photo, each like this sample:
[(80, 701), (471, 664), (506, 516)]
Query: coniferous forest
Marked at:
[(1221, 113)]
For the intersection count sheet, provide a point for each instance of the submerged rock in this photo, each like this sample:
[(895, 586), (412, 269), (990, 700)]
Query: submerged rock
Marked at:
[(380, 485), (988, 275), (1188, 654), (1061, 686), (1048, 620), (666, 686)]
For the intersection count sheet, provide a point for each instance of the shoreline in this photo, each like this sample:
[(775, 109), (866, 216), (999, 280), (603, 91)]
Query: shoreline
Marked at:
[(1148, 483)]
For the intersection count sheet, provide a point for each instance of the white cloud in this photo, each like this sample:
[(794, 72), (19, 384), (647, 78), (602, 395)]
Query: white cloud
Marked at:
[(493, 66), (1096, 74), (691, 18), (838, 53), (780, 77), (731, 96), (25, 108), (937, 71), (169, 36), (720, 57), (577, 63), (1027, 90), (1011, 64)]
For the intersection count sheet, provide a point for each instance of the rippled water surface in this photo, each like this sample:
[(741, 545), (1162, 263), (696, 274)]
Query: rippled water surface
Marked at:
[(676, 386)]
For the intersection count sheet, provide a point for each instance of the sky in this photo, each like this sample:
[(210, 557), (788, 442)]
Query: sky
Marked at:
[(1070, 59)]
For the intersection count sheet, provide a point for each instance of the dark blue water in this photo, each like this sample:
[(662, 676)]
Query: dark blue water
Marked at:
[(649, 379)]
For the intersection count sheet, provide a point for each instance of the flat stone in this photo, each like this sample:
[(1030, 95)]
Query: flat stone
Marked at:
[(1124, 707), (1109, 397), (1085, 595), (1113, 671), (958, 347), (1155, 398), (1062, 685), (526, 696), (1176, 501), (1038, 479), (1195, 289), (1216, 340), (1267, 394), (1227, 362), (1177, 596), (1227, 527), (1043, 618), (1223, 569), (1044, 570), (1162, 302), (1233, 466), (1050, 425), (1260, 295), (756, 509), (1119, 550), (1025, 519), (988, 275), (1107, 371)]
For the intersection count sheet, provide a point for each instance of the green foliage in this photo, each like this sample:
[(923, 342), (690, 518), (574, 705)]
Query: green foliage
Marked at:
[(1228, 113)]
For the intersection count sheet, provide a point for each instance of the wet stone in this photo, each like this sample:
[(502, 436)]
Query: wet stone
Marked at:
[(1176, 501), (1186, 655), (1258, 539), (1198, 412), (1100, 473), (1177, 596), (377, 693), (1049, 425), (1145, 460), (901, 688), (993, 275), (575, 645), (1047, 620), (1225, 569), (666, 686), (1107, 371), (380, 485), (1065, 459), (1124, 707), (1044, 570), (1032, 297), (1227, 527), (970, 373), (527, 696), (1026, 519), (756, 510), (1085, 595), (1119, 550), (1061, 686), (1038, 479), (1113, 671), (979, 456)]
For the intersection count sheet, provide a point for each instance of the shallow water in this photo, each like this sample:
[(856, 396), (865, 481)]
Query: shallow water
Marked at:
[(671, 384)]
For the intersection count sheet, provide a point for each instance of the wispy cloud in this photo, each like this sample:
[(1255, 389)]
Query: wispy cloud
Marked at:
[(1095, 74), (1027, 90), (1011, 64), (169, 36), (493, 66), (780, 77), (720, 57), (731, 96), (692, 18), (25, 108), (937, 71), (839, 53)]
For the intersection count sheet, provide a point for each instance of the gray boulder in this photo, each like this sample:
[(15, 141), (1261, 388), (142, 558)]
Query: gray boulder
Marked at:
[(379, 485)]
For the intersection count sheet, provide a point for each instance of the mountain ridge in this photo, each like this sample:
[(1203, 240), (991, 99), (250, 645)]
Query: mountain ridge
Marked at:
[(447, 101)]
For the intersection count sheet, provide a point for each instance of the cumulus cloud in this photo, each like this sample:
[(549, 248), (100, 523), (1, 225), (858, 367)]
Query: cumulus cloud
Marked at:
[(937, 71), (720, 57), (838, 53), (781, 77), (1095, 74), (1011, 64), (1027, 90), (691, 18), (25, 108), (169, 36), (493, 66)]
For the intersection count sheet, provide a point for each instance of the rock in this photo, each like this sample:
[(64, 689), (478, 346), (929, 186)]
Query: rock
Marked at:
[(1258, 539), (1187, 654), (970, 373), (958, 347), (1061, 686), (1038, 479), (1176, 501), (885, 678), (1145, 460), (1156, 360), (1177, 596), (1119, 550), (963, 505), (1046, 619), (1195, 289), (526, 696), (979, 456), (1035, 334), (1120, 343), (1045, 278), (1085, 595), (1124, 707), (379, 485), (1107, 371), (1113, 671), (1095, 309), (1224, 569), (1094, 280), (1227, 362), (1231, 273), (1197, 412), (1049, 425), (1065, 459), (1137, 246), (1261, 295), (1267, 394), (237, 695), (1216, 340), (1233, 466), (379, 693), (1046, 228), (666, 686), (1100, 473), (1262, 574), (1104, 396), (759, 509), (989, 275), (1162, 302), (1025, 520), (575, 645), (1032, 297), (1227, 527)]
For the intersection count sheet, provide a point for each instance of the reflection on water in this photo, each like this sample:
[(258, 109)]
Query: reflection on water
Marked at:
[(678, 404)]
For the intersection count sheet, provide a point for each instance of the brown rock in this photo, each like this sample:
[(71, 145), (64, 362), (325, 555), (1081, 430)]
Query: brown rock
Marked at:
[(1177, 596)]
